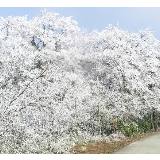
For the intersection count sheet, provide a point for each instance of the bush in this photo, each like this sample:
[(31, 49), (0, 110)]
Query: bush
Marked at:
[(127, 128), (130, 128), (145, 124)]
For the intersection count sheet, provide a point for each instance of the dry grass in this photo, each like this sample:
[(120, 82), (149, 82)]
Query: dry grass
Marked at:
[(106, 147)]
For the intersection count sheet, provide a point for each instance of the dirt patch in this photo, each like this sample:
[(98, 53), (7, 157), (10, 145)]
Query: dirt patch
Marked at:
[(106, 147)]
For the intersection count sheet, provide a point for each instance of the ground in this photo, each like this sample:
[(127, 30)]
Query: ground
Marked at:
[(106, 148)]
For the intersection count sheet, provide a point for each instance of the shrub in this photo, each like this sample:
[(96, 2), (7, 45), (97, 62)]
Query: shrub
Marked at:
[(130, 128), (145, 124), (127, 128)]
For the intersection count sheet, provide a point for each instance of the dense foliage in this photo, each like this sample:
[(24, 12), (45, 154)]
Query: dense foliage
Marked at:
[(60, 84)]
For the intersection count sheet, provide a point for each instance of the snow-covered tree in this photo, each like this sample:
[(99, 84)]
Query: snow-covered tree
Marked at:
[(59, 84)]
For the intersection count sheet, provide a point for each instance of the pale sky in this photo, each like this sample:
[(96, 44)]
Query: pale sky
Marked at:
[(90, 18)]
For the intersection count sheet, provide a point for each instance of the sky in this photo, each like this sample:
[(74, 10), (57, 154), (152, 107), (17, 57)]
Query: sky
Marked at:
[(90, 18)]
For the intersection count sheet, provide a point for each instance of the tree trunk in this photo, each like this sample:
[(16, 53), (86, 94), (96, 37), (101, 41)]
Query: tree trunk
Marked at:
[(114, 124), (154, 119)]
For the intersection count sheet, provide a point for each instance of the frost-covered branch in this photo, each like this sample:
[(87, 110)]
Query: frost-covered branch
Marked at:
[(26, 87)]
